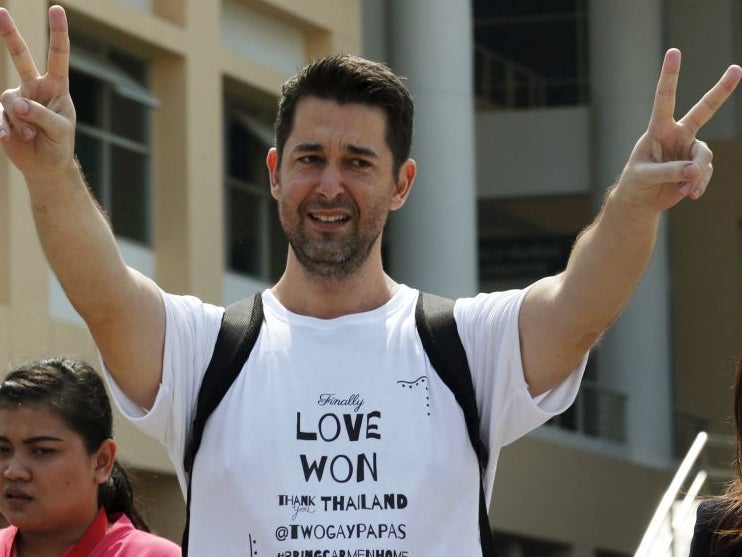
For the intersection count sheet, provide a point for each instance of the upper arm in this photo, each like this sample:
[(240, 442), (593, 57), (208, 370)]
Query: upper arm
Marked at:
[(553, 339), (131, 339)]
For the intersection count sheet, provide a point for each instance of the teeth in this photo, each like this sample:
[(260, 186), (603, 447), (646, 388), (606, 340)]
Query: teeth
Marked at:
[(324, 218)]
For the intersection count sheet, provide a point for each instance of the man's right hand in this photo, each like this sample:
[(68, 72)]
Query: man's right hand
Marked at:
[(37, 127)]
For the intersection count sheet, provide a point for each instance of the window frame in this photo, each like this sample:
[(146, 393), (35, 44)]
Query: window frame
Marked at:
[(93, 61)]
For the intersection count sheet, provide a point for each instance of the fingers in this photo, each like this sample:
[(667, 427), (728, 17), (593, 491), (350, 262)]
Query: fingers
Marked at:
[(58, 62), (12, 118), (28, 118), (664, 96), (705, 108), (673, 172), (17, 48), (690, 177), (702, 157)]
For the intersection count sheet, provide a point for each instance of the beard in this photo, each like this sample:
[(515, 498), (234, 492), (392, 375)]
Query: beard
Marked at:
[(333, 255)]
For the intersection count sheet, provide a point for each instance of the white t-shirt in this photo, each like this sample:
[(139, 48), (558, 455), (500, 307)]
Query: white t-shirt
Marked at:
[(338, 438)]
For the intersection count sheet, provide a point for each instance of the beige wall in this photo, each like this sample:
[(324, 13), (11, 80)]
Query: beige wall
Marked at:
[(584, 499), (707, 293), (189, 67)]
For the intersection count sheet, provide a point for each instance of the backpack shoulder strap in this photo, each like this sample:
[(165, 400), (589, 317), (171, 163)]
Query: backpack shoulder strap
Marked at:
[(239, 330), (440, 338)]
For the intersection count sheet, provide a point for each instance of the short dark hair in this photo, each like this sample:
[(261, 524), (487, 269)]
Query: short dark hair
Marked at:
[(73, 390), (345, 78)]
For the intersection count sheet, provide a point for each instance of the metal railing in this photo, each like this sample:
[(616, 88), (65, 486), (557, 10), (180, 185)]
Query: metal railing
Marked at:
[(503, 82), (667, 533), (597, 412)]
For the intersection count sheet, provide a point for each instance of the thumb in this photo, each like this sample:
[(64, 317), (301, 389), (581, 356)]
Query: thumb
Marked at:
[(28, 114), (663, 172)]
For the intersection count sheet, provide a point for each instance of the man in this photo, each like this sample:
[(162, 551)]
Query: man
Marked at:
[(338, 438)]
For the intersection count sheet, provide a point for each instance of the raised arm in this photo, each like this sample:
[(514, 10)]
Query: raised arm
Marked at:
[(564, 315), (121, 307)]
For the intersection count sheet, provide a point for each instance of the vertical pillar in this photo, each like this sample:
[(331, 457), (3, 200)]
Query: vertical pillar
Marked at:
[(27, 276), (189, 175), (433, 239), (634, 358)]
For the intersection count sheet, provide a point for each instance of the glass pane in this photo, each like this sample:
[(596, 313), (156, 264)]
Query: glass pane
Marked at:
[(89, 153), (129, 119), (133, 66), (129, 194), (244, 232), (246, 155), (86, 94)]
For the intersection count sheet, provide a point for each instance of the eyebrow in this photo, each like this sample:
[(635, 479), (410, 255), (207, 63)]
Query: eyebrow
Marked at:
[(32, 440), (307, 148), (366, 151), (354, 149)]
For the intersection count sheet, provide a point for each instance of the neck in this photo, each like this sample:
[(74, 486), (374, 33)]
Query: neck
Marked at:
[(27, 545), (307, 294), (50, 543)]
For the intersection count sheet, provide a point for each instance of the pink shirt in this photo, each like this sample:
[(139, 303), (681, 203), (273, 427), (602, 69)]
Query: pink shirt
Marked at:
[(121, 539)]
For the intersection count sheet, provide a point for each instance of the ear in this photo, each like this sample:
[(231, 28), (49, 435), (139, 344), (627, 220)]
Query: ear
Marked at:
[(271, 161), (103, 460), (405, 178)]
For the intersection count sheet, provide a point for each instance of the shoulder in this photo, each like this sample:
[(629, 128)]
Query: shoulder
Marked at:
[(709, 507), (181, 305), (709, 513), (7, 535), (488, 316), (486, 305), (123, 540), (708, 517)]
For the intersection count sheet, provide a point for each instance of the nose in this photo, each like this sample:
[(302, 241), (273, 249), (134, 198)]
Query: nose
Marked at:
[(15, 469), (331, 182)]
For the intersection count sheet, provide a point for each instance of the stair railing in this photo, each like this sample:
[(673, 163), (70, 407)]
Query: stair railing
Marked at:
[(671, 495)]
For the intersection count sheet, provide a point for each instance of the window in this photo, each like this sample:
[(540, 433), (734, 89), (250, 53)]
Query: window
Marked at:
[(113, 133), (531, 53), (255, 242)]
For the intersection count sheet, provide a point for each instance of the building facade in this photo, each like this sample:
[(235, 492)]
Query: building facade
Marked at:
[(526, 113)]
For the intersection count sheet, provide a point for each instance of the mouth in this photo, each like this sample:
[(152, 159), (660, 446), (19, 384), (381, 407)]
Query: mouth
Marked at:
[(330, 221), (16, 495), (328, 218)]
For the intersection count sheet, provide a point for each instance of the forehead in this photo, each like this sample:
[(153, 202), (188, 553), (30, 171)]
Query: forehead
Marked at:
[(31, 420), (328, 122)]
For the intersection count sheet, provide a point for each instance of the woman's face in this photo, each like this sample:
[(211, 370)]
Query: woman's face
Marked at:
[(48, 481)]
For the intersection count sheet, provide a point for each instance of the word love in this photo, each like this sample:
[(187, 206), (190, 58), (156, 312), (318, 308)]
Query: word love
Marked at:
[(331, 427)]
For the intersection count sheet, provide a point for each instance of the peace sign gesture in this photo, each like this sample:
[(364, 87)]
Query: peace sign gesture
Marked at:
[(668, 162), (38, 117)]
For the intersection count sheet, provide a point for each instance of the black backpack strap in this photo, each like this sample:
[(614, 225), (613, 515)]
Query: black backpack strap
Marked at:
[(442, 343), (239, 330)]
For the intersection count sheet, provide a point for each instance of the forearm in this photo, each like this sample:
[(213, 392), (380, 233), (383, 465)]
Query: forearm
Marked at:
[(564, 315), (78, 243), (606, 264)]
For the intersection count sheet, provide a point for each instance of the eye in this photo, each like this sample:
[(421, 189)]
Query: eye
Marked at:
[(310, 159), (360, 163), (42, 451), (4, 449)]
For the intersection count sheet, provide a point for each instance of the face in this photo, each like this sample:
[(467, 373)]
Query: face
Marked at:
[(48, 481), (335, 185)]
